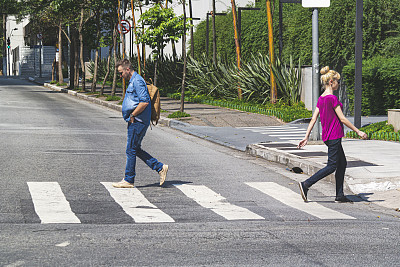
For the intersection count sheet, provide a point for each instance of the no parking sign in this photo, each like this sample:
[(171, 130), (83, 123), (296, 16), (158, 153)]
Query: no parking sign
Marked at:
[(124, 27)]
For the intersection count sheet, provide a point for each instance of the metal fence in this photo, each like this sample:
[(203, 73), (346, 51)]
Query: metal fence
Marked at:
[(34, 61)]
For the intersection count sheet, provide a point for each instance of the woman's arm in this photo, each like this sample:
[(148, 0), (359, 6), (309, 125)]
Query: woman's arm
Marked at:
[(310, 127), (346, 122)]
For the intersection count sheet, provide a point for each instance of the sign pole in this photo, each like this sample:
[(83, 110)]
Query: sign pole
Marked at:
[(315, 134), (358, 64)]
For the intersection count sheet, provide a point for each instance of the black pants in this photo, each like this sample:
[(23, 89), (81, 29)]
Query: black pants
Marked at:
[(336, 162)]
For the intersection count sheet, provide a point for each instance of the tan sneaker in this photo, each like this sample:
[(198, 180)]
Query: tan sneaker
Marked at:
[(123, 184), (163, 174)]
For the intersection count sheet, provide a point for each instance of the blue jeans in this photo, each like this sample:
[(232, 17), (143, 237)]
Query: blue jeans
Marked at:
[(336, 162), (136, 132)]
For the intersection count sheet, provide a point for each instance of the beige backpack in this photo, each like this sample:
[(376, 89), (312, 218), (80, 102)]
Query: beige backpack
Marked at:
[(155, 103)]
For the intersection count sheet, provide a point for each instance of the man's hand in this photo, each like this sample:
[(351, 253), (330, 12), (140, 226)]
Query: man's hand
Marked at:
[(132, 119)]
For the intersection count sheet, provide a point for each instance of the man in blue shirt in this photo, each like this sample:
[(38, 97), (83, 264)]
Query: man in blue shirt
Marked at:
[(136, 110)]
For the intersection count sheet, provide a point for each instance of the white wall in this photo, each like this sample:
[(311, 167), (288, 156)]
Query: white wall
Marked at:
[(16, 36)]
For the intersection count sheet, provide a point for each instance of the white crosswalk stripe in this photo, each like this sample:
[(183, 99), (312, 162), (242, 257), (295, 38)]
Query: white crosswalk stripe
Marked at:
[(134, 203), (207, 198), (281, 132), (50, 203), (292, 199)]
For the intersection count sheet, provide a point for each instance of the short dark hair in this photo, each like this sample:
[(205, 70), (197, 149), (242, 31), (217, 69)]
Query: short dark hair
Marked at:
[(124, 63)]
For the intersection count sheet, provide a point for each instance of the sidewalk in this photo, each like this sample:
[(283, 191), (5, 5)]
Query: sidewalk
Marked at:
[(373, 170)]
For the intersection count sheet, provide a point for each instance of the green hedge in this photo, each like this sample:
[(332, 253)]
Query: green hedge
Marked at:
[(381, 85), (378, 131)]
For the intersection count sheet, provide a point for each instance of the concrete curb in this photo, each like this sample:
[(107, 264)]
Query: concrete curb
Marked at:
[(84, 97)]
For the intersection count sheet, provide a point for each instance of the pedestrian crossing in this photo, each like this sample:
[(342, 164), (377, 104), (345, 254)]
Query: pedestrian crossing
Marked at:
[(287, 133), (52, 207)]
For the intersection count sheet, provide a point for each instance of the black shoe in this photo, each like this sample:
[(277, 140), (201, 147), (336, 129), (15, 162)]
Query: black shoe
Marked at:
[(343, 199), (303, 191)]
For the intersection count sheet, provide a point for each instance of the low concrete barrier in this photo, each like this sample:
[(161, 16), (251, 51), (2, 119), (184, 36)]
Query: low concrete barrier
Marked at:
[(394, 118)]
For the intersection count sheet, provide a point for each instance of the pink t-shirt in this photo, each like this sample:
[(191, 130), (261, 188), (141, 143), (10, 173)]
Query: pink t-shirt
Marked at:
[(332, 127)]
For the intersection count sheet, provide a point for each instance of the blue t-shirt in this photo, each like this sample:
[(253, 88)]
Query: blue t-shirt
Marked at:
[(135, 93)]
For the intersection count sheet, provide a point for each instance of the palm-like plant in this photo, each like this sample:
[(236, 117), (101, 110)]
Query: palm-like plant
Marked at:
[(288, 80)]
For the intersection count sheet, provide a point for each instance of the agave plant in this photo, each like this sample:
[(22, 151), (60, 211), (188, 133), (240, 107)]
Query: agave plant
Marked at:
[(213, 79), (254, 78), (288, 80)]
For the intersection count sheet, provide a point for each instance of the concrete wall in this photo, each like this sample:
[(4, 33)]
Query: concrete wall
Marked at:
[(306, 88), (394, 118)]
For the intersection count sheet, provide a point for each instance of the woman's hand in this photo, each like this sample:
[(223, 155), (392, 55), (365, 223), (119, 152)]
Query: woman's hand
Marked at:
[(362, 135), (303, 143)]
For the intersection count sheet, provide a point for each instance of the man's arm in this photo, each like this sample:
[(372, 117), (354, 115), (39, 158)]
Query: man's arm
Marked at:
[(139, 109)]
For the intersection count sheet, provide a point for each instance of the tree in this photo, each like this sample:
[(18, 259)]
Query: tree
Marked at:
[(163, 27)]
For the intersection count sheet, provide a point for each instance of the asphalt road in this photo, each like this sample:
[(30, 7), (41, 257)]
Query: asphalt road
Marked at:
[(225, 208)]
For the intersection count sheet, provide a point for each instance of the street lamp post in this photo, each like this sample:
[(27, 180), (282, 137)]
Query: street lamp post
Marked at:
[(8, 51)]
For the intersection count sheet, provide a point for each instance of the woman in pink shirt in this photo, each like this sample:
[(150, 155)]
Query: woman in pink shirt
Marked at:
[(332, 119)]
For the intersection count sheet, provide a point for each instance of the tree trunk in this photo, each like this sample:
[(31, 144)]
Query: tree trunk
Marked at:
[(96, 59), (214, 34), (114, 84), (155, 71), (108, 70), (136, 37), (80, 29), (77, 59), (53, 69), (72, 60), (184, 57), (173, 50), (60, 74)]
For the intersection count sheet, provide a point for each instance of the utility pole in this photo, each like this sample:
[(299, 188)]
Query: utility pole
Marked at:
[(214, 34), (239, 22), (358, 64), (191, 30)]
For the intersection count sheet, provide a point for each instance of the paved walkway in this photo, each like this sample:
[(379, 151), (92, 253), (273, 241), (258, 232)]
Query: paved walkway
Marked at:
[(373, 166)]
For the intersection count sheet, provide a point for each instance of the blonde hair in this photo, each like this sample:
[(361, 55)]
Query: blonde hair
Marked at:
[(327, 75)]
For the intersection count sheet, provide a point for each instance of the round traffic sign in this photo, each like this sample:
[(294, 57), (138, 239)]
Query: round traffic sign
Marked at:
[(39, 36), (125, 25)]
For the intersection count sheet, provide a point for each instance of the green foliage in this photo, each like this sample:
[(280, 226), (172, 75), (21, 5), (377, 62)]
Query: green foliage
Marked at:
[(223, 79), (163, 26), (288, 80), (378, 131), (205, 77), (178, 114), (254, 78), (169, 72), (381, 29), (381, 79), (280, 110), (113, 98)]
